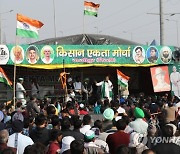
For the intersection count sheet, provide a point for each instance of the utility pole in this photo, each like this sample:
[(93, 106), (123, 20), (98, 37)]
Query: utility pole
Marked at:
[(1, 24), (54, 12), (161, 17), (161, 20)]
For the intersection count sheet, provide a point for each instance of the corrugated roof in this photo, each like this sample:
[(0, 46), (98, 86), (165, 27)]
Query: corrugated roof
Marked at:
[(87, 39)]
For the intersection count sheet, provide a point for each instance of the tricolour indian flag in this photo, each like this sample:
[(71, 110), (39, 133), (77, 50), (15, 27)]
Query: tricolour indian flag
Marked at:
[(122, 79), (91, 8), (27, 27), (4, 78)]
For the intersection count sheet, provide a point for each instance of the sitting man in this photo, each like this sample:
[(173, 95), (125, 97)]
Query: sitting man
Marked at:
[(139, 125), (78, 88)]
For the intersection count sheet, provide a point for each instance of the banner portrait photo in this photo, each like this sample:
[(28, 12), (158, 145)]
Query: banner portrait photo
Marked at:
[(160, 79)]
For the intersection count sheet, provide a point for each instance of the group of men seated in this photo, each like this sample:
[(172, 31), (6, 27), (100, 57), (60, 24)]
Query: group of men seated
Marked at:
[(78, 90)]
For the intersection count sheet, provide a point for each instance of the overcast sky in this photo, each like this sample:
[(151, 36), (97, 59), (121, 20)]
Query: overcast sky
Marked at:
[(126, 19)]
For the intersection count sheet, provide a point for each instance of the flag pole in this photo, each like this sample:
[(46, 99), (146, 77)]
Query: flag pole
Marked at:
[(117, 83), (65, 90), (14, 86), (118, 90), (14, 79), (83, 23)]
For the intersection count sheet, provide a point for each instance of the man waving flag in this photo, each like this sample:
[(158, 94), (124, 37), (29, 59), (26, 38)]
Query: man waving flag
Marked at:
[(4, 78), (27, 27)]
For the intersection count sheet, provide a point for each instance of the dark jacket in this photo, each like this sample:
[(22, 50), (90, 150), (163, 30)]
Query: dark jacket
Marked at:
[(78, 135), (32, 108), (167, 148), (75, 133), (41, 135), (107, 124)]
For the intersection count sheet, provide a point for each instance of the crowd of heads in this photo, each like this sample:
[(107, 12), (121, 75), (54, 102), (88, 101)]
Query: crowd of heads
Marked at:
[(74, 132)]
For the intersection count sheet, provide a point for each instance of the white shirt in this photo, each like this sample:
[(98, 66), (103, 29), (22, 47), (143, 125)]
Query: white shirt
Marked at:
[(77, 85), (90, 144), (128, 129), (139, 126), (19, 91), (121, 110), (85, 128), (108, 88), (102, 145), (23, 141)]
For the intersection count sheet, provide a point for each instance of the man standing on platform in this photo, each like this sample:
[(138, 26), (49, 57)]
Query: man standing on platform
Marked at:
[(86, 90), (34, 88), (70, 89), (106, 88), (20, 91)]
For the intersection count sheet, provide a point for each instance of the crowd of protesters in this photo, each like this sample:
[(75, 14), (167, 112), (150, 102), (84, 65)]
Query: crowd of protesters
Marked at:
[(132, 125)]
